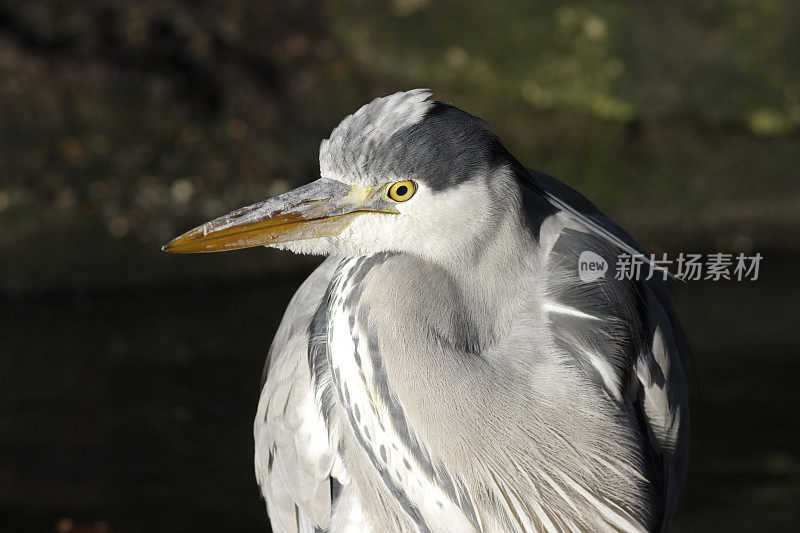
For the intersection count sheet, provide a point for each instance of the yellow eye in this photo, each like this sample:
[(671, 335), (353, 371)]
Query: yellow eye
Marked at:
[(402, 190)]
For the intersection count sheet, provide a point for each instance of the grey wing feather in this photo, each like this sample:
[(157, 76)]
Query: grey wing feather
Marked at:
[(639, 338), (293, 457), (582, 210), (662, 398)]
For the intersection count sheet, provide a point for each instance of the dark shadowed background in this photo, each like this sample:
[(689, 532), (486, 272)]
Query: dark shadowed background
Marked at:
[(128, 378)]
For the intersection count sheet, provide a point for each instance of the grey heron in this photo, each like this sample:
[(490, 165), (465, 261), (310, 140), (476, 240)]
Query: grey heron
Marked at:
[(446, 368)]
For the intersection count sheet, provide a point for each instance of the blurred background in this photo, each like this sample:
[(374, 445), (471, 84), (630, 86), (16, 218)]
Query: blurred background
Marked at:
[(129, 379)]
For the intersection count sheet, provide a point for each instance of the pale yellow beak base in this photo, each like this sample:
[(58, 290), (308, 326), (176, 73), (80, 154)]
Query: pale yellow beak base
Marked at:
[(320, 209)]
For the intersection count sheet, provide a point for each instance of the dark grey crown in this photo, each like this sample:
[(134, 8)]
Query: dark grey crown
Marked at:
[(409, 135)]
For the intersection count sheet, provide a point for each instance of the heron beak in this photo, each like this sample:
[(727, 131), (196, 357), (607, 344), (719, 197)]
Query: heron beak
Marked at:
[(322, 208)]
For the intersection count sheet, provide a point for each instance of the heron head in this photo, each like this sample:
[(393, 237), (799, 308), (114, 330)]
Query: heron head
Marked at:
[(404, 173)]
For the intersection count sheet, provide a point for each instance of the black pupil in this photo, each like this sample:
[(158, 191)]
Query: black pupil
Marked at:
[(402, 190)]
